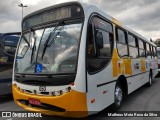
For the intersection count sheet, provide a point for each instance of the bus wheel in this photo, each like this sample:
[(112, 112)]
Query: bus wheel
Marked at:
[(118, 97), (149, 84)]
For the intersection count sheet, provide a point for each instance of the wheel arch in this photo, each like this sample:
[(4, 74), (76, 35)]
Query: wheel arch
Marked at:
[(151, 72), (123, 82)]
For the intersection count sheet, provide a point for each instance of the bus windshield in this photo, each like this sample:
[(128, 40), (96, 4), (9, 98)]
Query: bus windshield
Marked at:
[(52, 50)]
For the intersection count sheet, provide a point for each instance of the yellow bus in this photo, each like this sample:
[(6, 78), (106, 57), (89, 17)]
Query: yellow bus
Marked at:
[(73, 57)]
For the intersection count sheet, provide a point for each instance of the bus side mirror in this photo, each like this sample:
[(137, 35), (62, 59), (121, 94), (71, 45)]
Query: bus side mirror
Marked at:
[(99, 40)]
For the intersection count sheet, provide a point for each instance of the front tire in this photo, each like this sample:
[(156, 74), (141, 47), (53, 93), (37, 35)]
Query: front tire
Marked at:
[(118, 97)]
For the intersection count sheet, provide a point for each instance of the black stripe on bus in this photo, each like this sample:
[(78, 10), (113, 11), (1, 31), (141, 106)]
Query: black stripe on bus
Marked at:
[(140, 73), (137, 74), (99, 85)]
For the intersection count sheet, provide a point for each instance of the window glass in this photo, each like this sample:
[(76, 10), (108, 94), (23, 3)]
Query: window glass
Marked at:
[(158, 53), (155, 51), (147, 47), (141, 45), (98, 57), (133, 48), (141, 53), (121, 44), (133, 51), (99, 23), (141, 48), (152, 51), (106, 50), (61, 55), (121, 36), (122, 49), (148, 51), (131, 40)]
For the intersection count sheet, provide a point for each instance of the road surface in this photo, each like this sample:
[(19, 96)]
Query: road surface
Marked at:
[(143, 99)]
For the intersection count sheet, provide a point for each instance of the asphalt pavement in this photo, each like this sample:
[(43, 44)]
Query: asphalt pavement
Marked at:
[(143, 99)]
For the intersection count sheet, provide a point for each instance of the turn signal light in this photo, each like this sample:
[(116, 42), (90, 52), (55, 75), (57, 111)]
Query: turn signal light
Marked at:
[(92, 100)]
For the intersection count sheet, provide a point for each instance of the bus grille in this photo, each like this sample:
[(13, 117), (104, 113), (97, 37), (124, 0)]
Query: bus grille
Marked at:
[(43, 106)]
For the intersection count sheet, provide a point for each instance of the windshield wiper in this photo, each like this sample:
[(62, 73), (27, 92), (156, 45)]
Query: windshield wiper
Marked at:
[(49, 37), (34, 46)]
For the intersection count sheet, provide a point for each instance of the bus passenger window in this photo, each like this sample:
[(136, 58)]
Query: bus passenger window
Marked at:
[(141, 48), (133, 46), (121, 43), (148, 54), (155, 52)]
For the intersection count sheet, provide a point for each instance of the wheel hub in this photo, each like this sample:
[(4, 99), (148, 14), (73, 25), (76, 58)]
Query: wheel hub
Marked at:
[(118, 95)]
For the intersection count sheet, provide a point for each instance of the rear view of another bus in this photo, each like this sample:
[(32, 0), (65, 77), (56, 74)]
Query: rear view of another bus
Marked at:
[(8, 44)]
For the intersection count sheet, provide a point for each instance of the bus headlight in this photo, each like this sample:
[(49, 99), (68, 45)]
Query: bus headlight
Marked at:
[(56, 93), (68, 89), (61, 92)]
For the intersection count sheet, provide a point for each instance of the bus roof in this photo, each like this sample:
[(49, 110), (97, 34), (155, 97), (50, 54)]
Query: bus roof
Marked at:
[(86, 8)]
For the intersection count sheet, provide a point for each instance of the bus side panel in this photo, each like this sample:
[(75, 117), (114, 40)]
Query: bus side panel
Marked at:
[(105, 95), (134, 83), (155, 67), (145, 78), (100, 90), (155, 72)]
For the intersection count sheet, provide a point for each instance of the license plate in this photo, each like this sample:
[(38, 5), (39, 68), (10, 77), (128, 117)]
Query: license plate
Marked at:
[(34, 101)]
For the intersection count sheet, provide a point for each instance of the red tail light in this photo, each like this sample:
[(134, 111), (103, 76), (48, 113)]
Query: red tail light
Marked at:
[(72, 84)]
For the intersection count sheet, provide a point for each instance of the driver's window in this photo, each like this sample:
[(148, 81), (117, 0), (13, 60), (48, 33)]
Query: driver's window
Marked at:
[(105, 52), (99, 57)]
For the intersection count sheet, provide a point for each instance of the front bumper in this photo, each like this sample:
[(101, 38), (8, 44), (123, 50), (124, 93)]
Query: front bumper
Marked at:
[(72, 104)]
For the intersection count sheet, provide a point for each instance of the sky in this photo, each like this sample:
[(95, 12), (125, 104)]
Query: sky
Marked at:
[(142, 16)]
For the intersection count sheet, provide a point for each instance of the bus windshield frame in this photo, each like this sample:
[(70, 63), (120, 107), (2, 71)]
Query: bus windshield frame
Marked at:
[(36, 42)]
